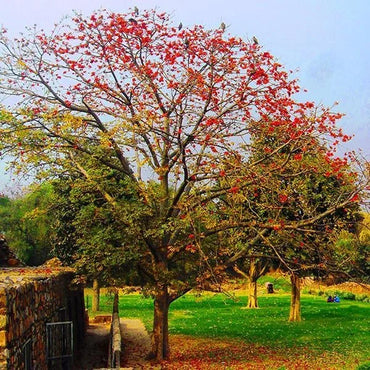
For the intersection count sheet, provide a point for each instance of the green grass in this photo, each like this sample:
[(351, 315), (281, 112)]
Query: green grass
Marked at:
[(342, 328)]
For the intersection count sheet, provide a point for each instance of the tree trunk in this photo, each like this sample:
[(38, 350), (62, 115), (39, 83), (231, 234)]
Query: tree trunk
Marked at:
[(160, 344), (295, 303), (255, 271), (252, 296), (96, 296)]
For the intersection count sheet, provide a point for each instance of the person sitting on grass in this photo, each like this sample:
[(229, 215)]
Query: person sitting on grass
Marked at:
[(336, 299), (330, 299)]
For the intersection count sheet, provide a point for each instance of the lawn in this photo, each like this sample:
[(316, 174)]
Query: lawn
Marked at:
[(328, 330)]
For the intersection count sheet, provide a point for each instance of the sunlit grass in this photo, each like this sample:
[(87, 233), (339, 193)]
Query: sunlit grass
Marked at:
[(338, 328)]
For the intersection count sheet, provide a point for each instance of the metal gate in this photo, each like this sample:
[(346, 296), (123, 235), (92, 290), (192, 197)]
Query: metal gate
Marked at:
[(59, 345), (27, 355)]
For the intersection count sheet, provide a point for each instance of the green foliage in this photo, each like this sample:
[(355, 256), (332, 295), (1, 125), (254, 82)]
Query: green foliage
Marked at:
[(281, 283), (361, 297), (344, 295), (26, 224), (90, 234), (364, 366), (354, 246)]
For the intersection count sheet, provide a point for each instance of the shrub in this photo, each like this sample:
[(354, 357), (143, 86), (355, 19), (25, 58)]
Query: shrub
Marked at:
[(347, 295), (340, 293), (364, 366), (362, 298)]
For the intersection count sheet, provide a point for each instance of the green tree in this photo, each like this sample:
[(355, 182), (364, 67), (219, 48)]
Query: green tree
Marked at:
[(26, 225), (87, 234), (352, 249)]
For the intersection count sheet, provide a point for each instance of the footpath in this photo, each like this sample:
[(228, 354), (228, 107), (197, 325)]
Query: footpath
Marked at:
[(94, 354), (135, 347)]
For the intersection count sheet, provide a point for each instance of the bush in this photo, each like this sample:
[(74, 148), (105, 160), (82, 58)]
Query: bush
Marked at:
[(340, 293), (364, 366), (362, 298), (348, 295)]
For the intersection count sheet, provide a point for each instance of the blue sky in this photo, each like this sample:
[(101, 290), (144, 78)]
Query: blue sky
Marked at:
[(326, 42)]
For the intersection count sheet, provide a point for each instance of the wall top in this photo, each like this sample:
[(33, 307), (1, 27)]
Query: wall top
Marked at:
[(13, 276)]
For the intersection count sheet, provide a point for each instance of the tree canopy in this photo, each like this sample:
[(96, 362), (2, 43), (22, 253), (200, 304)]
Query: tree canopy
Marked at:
[(26, 224)]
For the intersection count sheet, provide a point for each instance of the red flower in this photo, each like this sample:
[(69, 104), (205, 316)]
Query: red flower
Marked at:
[(283, 198), (191, 248), (234, 189)]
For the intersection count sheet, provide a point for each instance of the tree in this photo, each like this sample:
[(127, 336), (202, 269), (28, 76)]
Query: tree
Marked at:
[(87, 235), (315, 186), (352, 247), (96, 296), (171, 110), (26, 225), (363, 251), (253, 268)]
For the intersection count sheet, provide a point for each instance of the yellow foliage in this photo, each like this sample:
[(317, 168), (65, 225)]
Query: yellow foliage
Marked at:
[(364, 235)]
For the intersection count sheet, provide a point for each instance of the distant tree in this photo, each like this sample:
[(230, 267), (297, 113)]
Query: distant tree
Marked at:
[(352, 249), (305, 193), (26, 225), (253, 268), (307, 252)]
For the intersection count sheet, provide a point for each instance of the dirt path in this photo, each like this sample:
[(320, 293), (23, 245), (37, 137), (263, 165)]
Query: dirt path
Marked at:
[(135, 345), (94, 354)]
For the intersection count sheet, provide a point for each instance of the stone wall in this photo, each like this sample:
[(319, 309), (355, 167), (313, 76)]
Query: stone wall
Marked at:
[(115, 336), (30, 298)]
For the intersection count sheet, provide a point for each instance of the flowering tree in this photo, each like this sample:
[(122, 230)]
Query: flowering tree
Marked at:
[(172, 110), (307, 194)]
